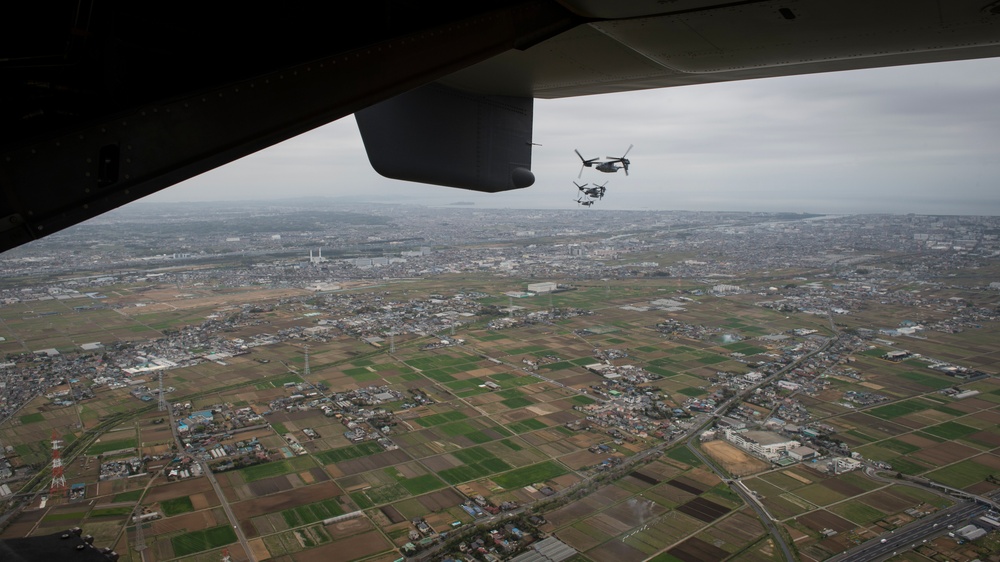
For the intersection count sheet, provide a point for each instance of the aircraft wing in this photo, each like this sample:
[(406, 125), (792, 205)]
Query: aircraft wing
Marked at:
[(112, 102)]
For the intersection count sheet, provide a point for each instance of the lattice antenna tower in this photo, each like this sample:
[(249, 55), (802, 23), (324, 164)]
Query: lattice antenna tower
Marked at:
[(58, 486), (140, 538), (392, 342), (510, 306), (163, 400), (76, 405), (305, 372)]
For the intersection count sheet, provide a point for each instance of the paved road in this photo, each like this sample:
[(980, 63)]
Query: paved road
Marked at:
[(912, 535), (218, 491)]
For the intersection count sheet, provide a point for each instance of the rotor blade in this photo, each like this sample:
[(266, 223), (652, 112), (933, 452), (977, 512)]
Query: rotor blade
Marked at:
[(580, 155), (626, 152), (580, 175)]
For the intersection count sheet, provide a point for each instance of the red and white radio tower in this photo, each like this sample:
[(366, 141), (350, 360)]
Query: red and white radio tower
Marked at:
[(58, 478)]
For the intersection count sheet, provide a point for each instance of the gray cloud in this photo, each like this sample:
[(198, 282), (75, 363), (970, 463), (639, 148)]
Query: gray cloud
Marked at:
[(918, 139)]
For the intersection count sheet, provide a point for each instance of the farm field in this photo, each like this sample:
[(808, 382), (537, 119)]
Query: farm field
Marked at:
[(520, 416)]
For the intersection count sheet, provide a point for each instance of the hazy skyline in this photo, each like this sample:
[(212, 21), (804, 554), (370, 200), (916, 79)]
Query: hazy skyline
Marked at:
[(921, 139)]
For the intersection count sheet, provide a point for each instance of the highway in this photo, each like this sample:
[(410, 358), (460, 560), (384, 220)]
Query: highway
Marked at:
[(912, 535)]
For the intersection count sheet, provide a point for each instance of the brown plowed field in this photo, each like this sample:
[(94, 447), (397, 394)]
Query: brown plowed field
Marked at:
[(441, 499), (842, 487), (578, 539), (635, 511), (697, 550), (616, 551), (178, 489), (886, 502), (945, 453), (352, 548), (194, 521), (285, 500), (682, 484), (703, 509), (819, 520)]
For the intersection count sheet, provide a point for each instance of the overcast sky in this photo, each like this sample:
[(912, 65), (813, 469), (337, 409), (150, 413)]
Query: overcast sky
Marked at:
[(921, 139)]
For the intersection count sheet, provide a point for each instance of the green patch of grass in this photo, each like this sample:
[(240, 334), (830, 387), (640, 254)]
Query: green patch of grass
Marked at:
[(582, 400), (930, 436), (667, 373), (511, 445), (684, 455), (176, 506), (950, 411), (31, 418), (130, 496), (583, 361), (901, 447), (861, 436), (900, 464), (348, 453), (962, 474), (64, 516), (198, 541), (478, 437), (691, 391), (311, 513), (361, 500), (275, 468), (936, 382), (279, 428), (105, 446), (444, 417), (950, 430), (520, 477), (518, 402), (439, 376), (280, 381), (111, 512), (422, 484), (558, 365), (524, 426), (898, 409), (712, 359), (386, 494), (857, 512)]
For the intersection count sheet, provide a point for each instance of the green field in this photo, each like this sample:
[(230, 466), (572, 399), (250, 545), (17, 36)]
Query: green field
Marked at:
[(528, 475), (197, 541), (936, 382), (857, 512), (311, 513), (31, 418), (348, 453), (102, 447), (950, 430), (477, 462), (438, 419), (684, 455), (275, 468), (898, 409), (176, 506), (962, 474)]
